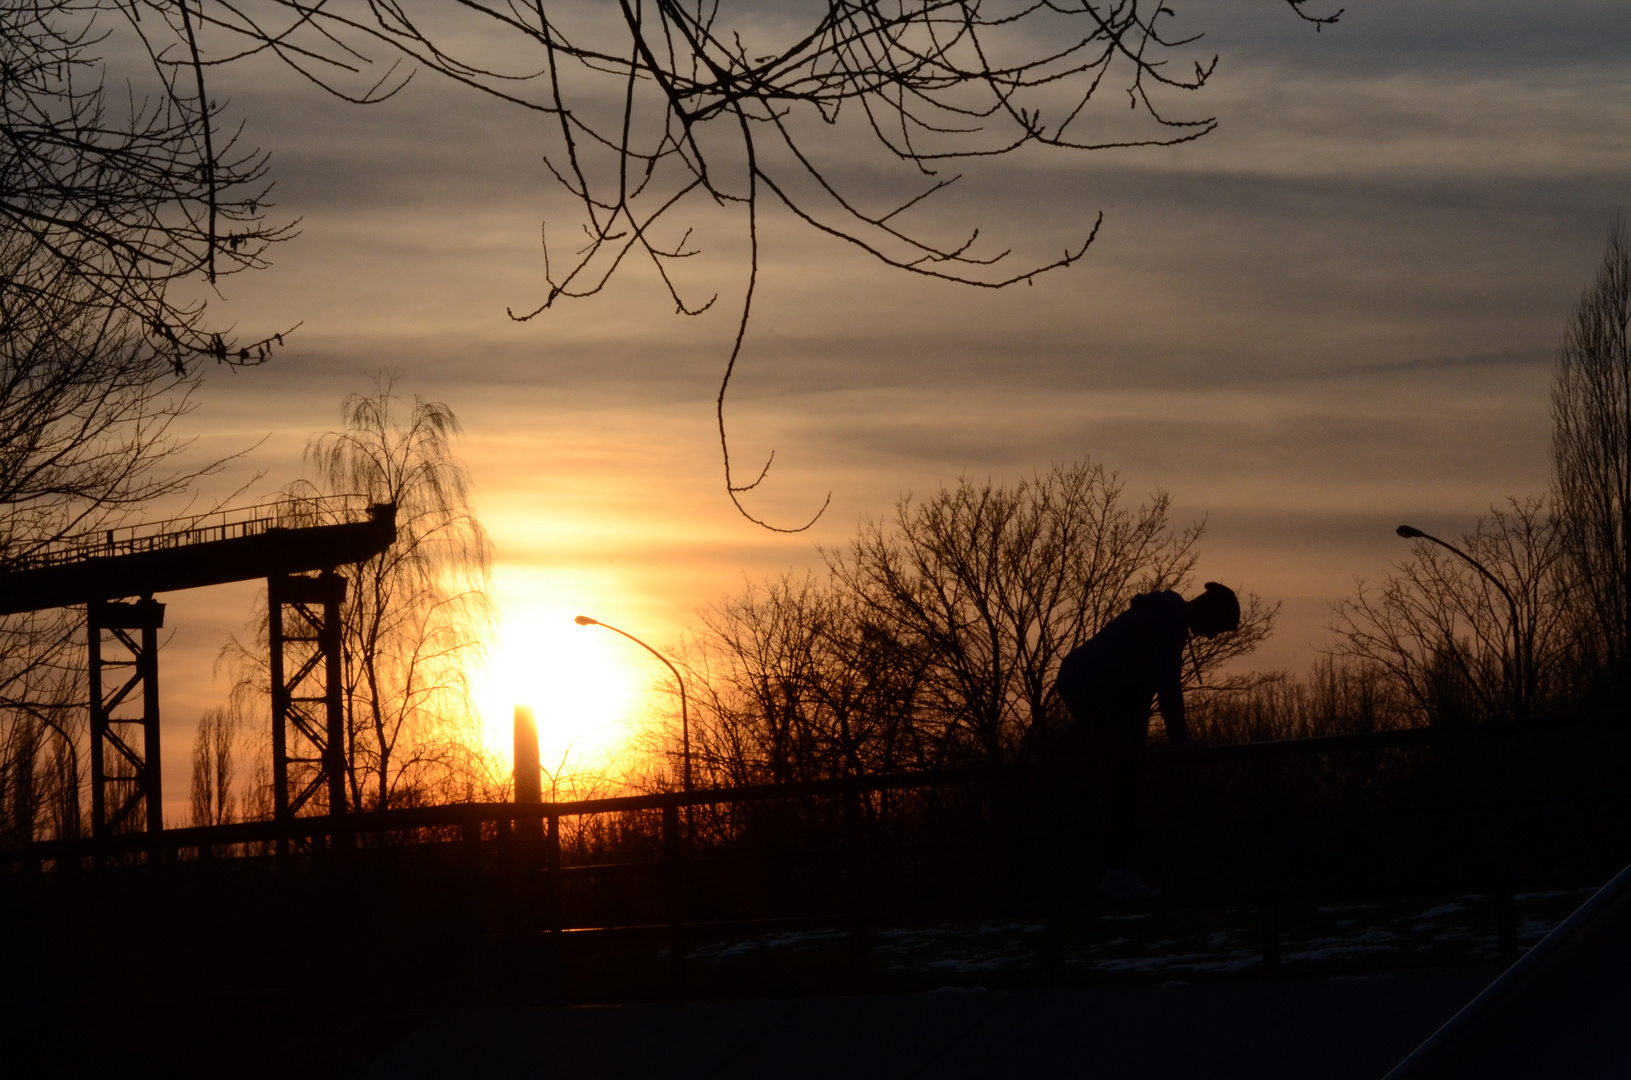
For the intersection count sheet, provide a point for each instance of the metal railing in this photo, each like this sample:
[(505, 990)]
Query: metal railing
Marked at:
[(229, 524), (678, 878)]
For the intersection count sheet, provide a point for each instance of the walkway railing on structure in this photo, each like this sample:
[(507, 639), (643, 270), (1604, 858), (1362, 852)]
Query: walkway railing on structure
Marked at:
[(288, 513)]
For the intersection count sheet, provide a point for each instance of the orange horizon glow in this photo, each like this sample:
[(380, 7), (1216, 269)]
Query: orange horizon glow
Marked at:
[(587, 689)]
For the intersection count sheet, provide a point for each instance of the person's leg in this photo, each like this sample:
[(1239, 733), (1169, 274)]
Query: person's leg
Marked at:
[(1121, 791), (1123, 764), (1124, 767), (1109, 729)]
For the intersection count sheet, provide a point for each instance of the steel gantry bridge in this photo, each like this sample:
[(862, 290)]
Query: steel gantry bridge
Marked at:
[(297, 545)]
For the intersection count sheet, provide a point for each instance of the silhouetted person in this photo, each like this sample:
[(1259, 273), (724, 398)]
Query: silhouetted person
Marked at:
[(1108, 684)]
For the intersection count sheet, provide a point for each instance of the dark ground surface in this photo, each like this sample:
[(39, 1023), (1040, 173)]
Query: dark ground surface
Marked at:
[(1326, 1028)]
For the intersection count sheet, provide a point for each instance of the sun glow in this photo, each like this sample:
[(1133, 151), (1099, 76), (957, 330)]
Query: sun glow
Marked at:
[(583, 683)]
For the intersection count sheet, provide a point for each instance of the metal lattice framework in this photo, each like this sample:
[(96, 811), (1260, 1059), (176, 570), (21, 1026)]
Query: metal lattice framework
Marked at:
[(283, 542), (308, 717), (125, 747)]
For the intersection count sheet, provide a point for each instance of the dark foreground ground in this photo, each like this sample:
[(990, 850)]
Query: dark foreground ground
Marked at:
[(1326, 1028)]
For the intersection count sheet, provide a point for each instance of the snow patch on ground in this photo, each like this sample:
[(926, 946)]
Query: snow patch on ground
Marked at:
[(1155, 942)]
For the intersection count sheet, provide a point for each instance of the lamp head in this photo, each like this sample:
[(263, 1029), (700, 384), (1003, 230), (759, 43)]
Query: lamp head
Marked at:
[(584, 620), (1409, 533)]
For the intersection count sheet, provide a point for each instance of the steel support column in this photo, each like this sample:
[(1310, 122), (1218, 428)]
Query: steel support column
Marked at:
[(308, 714), (126, 790)]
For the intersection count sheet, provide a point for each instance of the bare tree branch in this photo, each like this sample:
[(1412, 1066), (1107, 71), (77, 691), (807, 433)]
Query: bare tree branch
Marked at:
[(665, 108)]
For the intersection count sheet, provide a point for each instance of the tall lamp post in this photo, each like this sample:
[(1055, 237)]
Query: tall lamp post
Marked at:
[(1520, 656), (685, 716)]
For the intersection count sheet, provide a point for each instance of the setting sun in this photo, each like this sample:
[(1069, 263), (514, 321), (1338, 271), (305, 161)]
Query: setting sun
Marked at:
[(585, 685)]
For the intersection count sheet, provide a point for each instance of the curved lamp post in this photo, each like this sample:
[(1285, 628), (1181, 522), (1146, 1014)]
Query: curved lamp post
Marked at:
[(1519, 654), (685, 716)]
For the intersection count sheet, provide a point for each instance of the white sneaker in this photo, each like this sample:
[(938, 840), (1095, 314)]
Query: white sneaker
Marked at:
[(1123, 883)]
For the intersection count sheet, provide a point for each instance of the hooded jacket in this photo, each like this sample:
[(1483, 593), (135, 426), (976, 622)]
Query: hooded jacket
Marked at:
[(1136, 657)]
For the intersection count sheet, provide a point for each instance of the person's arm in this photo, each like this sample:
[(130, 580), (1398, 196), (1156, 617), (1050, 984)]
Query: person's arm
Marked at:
[(1169, 693)]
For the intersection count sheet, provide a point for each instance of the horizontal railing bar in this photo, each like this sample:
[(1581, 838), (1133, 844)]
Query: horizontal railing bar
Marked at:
[(150, 534), (455, 814)]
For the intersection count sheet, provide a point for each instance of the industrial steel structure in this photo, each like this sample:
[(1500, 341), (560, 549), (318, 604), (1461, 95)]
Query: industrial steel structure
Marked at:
[(286, 543)]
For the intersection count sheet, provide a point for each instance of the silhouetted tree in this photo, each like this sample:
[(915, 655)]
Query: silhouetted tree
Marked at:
[(110, 200), (1340, 696), (214, 754), (934, 639), (417, 614), (415, 617), (996, 584), (1444, 634), (793, 681), (86, 408), (1591, 458), (19, 791)]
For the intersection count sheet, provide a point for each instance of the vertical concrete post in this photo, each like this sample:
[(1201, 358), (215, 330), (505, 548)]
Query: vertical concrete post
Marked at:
[(529, 781), (554, 914), (528, 849)]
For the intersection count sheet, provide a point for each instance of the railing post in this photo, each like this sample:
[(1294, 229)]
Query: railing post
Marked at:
[(472, 898), (859, 931), (470, 841), (1056, 805), (672, 875), (1268, 883), (1500, 849), (505, 829), (554, 916)]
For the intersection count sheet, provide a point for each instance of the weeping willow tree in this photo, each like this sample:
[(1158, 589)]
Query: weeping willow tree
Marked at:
[(415, 617)]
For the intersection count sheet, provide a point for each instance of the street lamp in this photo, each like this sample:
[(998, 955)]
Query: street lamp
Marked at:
[(685, 716), (1519, 653)]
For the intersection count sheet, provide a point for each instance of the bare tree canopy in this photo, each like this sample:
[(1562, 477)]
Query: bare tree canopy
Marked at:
[(1591, 454), (934, 639), (86, 406), (122, 196), (1463, 647)]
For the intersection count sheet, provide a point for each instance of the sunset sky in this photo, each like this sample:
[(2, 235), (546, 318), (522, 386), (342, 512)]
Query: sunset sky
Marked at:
[(1334, 314)]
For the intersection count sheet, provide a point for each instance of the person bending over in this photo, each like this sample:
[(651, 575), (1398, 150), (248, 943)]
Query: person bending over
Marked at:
[(1108, 684)]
